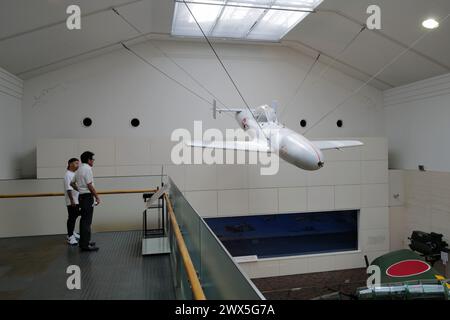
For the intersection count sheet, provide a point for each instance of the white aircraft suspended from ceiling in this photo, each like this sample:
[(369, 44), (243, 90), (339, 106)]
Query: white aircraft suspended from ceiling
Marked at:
[(261, 123), (268, 135)]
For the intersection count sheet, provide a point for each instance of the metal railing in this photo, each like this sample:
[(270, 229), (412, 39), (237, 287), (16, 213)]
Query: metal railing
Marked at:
[(197, 290), (202, 267), (220, 276), (61, 194)]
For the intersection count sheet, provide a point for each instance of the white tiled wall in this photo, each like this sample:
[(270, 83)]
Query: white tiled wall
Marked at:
[(205, 202), (374, 218), (347, 196), (396, 188), (113, 157), (427, 202), (292, 199), (263, 200), (233, 202), (374, 171), (43, 216), (136, 153), (354, 178), (321, 198), (423, 203), (374, 195)]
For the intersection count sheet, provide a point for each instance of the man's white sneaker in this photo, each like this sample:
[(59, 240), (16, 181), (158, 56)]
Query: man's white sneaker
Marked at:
[(72, 240), (77, 236)]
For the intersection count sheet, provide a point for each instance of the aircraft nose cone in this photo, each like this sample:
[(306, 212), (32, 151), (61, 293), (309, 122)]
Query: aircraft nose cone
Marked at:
[(300, 153)]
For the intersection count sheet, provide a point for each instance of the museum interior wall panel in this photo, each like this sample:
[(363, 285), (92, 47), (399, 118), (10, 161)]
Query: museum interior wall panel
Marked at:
[(374, 195), (397, 210), (417, 124), (46, 216), (374, 218), (291, 200), (132, 152), (347, 196), (427, 204), (263, 200), (397, 226), (204, 202), (233, 202), (374, 172), (232, 176), (321, 198), (11, 91)]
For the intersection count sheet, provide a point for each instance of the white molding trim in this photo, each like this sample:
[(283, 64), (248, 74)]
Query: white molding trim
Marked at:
[(10, 84), (436, 86)]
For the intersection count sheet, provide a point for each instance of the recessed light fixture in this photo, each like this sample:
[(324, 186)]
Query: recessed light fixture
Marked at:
[(268, 20), (430, 23)]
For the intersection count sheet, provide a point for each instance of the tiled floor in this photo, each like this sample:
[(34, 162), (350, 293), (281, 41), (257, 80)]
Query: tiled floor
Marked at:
[(35, 268)]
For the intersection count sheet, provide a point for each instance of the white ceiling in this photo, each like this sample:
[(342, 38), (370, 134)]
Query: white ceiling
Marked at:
[(34, 38)]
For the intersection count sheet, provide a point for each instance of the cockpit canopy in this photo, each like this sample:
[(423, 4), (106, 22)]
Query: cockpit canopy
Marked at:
[(265, 114)]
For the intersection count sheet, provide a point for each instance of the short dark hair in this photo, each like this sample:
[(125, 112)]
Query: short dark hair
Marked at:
[(71, 160), (86, 156)]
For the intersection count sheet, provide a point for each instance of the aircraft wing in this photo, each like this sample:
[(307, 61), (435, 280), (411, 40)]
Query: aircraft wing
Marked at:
[(330, 144), (232, 145)]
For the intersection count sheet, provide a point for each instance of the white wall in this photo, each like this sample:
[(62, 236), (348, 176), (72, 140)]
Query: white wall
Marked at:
[(115, 87), (10, 125), (397, 211), (43, 216), (417, 120), (423, 204), (427, 202)]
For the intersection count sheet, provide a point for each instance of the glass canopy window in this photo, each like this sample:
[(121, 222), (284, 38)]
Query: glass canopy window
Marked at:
[(268, 20)]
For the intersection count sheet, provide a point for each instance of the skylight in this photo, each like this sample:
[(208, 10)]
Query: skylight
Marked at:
[(268, 20)]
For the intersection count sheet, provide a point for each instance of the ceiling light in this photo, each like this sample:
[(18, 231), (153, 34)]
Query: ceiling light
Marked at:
[(430, 24), (240, 19)]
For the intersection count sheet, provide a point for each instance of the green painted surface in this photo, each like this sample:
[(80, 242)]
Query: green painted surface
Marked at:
[(385, 261)]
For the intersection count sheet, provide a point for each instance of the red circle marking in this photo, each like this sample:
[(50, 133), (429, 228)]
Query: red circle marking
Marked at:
[(407, 268)]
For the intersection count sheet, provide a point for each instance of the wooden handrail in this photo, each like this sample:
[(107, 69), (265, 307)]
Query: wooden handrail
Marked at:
[(61, 194), (197, 290), (196, 287)]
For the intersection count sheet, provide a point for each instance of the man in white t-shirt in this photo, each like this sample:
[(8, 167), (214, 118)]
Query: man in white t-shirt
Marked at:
[(71, 197), (84, 183)]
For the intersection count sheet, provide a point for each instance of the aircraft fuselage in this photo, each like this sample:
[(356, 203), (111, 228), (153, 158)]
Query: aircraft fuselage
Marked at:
[(288, 144)]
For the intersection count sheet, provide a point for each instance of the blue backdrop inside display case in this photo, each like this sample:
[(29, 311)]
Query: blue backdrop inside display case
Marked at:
[(288, 234)]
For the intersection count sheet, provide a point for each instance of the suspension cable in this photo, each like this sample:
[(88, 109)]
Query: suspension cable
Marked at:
[(224, 68), (165, 74), (330, 65), (134, 27), (358, 89), (300, 85)]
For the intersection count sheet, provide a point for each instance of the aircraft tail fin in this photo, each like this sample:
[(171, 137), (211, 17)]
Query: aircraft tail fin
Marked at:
[(220, 110)]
